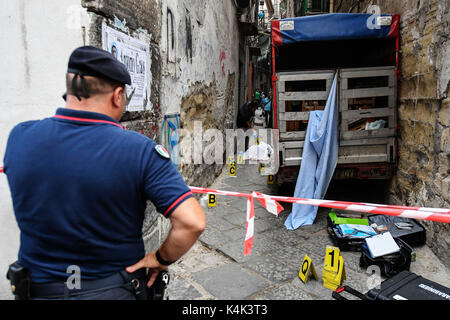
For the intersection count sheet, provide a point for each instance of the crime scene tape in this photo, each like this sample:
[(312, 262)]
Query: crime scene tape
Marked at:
[(250, 227), (271, 203), (422, 213)]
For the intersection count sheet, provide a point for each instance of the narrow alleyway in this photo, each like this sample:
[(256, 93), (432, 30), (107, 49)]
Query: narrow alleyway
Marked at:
[(215, 268)]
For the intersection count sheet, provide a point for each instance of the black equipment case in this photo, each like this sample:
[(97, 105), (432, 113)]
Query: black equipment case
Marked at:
[(414, 236), (409, 286), (391, 264), (403, 286)]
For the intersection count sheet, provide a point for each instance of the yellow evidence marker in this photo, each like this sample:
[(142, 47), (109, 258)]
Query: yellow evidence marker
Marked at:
[(333, 269), (306, 269), (232, 170), (262, 167), (331, 259), (240, 158), (270, 179)]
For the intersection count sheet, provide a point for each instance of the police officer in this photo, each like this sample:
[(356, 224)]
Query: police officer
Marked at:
[(80, 183)]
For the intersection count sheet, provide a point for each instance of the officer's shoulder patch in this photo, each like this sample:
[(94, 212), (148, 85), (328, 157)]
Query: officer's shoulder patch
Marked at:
[(162, 151)]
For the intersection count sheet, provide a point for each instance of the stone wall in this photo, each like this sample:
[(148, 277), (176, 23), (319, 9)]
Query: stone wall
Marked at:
[(422, 176)]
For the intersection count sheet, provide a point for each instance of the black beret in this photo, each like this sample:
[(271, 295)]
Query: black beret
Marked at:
[(95, 62)]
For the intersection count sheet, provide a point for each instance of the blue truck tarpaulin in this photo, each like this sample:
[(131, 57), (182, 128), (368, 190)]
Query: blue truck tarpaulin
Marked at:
[(319, 159), (334, 26)]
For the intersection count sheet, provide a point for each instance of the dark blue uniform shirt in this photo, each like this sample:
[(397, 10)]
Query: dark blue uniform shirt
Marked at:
[(79, 184)]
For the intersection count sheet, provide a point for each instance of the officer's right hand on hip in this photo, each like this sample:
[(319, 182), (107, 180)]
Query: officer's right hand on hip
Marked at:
[(149, 261), (188, 221)]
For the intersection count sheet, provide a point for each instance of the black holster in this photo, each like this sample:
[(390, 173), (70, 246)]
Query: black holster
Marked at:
[(20, 280), (158, 289), (142, 292)]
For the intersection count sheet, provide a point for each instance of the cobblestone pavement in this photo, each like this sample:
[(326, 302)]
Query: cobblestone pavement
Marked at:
[(215, 268)]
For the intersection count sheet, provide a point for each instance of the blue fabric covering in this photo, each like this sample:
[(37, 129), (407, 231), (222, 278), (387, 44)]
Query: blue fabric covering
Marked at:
[(333, 26), (319, 160)]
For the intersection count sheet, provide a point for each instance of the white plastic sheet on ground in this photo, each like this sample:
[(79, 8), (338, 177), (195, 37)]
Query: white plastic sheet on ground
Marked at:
[(261, 153)]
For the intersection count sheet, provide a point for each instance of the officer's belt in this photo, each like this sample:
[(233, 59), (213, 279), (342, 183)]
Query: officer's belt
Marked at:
[(59, 289)]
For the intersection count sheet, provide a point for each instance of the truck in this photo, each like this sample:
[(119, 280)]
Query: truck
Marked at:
[(361, 50)]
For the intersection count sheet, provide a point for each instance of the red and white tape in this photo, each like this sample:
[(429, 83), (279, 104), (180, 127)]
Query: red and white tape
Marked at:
[(271, 203), (250, 227), (422, 213)]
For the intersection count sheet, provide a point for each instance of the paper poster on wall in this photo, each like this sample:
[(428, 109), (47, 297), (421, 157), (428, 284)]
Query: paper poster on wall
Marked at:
[(135, 55)]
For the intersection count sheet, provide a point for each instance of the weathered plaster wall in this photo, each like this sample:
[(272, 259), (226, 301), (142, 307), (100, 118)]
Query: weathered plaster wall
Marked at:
[(200, 58), (422, 177), (36, 39)]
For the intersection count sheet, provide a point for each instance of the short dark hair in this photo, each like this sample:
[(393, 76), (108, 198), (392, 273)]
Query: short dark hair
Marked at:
[(95, 85)]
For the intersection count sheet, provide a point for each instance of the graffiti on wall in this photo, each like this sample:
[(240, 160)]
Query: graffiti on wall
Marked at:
[(188, 37), (222, 58), (171, 53)]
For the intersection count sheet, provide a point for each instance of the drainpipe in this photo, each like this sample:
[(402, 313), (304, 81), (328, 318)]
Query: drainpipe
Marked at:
[(276, 6), (269, 6)]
